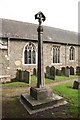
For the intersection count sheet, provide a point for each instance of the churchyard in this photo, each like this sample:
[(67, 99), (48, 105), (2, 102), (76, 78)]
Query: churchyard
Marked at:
[(62, 85), (50, 93)]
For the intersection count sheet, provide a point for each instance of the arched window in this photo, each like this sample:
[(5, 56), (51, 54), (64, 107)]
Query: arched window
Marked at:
[(30, 54), (56, 54), (72, 53)]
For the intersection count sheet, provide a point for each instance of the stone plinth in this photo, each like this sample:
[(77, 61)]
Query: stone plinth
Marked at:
[(40, 93), (33, 106)]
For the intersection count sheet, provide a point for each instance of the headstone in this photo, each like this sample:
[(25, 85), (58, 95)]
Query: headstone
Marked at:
[(58, 72), (23, 76), (47, 72), (67, 71), (71, 70), (63, 71), (52, 72), (26, 76), (78, 70), (76, 85), (18, 75), (34, 71)]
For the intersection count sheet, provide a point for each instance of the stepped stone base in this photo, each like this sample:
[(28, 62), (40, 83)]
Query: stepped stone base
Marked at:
[(41, 93), (33, 106)]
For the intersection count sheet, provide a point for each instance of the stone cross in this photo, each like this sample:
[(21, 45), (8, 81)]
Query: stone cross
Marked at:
[(40, 77)]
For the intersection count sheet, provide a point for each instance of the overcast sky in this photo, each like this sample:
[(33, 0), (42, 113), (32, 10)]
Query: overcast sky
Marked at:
[(59, 13)]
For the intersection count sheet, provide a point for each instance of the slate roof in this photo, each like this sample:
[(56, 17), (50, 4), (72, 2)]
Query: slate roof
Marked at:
[(24, 30)]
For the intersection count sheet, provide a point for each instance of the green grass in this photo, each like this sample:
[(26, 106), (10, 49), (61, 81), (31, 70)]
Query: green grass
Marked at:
[(70, 94), (60, 78), (65, 90), (34, 80), (14, 84), (57, 79)]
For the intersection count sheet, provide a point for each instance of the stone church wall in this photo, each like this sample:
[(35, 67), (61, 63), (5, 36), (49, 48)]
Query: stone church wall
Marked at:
[(15, 61), (3, 58)]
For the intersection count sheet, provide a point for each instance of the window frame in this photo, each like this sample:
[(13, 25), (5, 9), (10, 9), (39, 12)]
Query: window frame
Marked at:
[(23, 58), (57, 51), (71, 53)]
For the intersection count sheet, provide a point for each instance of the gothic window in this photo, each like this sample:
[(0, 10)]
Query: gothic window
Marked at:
[(56, 54), (72, 53), (30, 54)]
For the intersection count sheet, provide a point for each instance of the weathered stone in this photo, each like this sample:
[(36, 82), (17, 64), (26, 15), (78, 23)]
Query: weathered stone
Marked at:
[(33, 106), (63, 71), (78, 70), (23, 76), (67, 71), (34, 72), (58, 72), (50, 72), (47, 71), (71, 70), (76, 85), (26, 76), (4, 79), (40, 93)]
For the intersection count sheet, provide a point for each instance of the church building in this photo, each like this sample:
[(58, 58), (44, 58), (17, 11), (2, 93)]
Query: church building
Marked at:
[(19, 47)]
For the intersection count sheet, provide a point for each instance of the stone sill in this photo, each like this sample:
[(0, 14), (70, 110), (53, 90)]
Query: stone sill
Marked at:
[(71, 60), (29, 64), (56, 63)]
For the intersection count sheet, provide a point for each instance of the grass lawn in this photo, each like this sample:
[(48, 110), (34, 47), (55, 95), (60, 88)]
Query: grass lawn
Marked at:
[(14, 84), (14, 108), (72, 95), (57, 79), (34, 81)]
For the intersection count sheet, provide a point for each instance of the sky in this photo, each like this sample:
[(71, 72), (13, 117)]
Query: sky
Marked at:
[(61, 14)]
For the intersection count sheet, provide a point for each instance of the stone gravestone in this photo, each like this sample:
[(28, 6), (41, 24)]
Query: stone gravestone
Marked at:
[(71, 70), (47, 72), (63, 71), (23, 76), (18, 75), (67, 71), (58, 72), (34, 72), (26, 76), (78, 70), (76, 85), (52, 72)]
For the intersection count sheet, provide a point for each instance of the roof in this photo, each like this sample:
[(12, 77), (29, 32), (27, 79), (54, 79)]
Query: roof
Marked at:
[(24, 30)]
